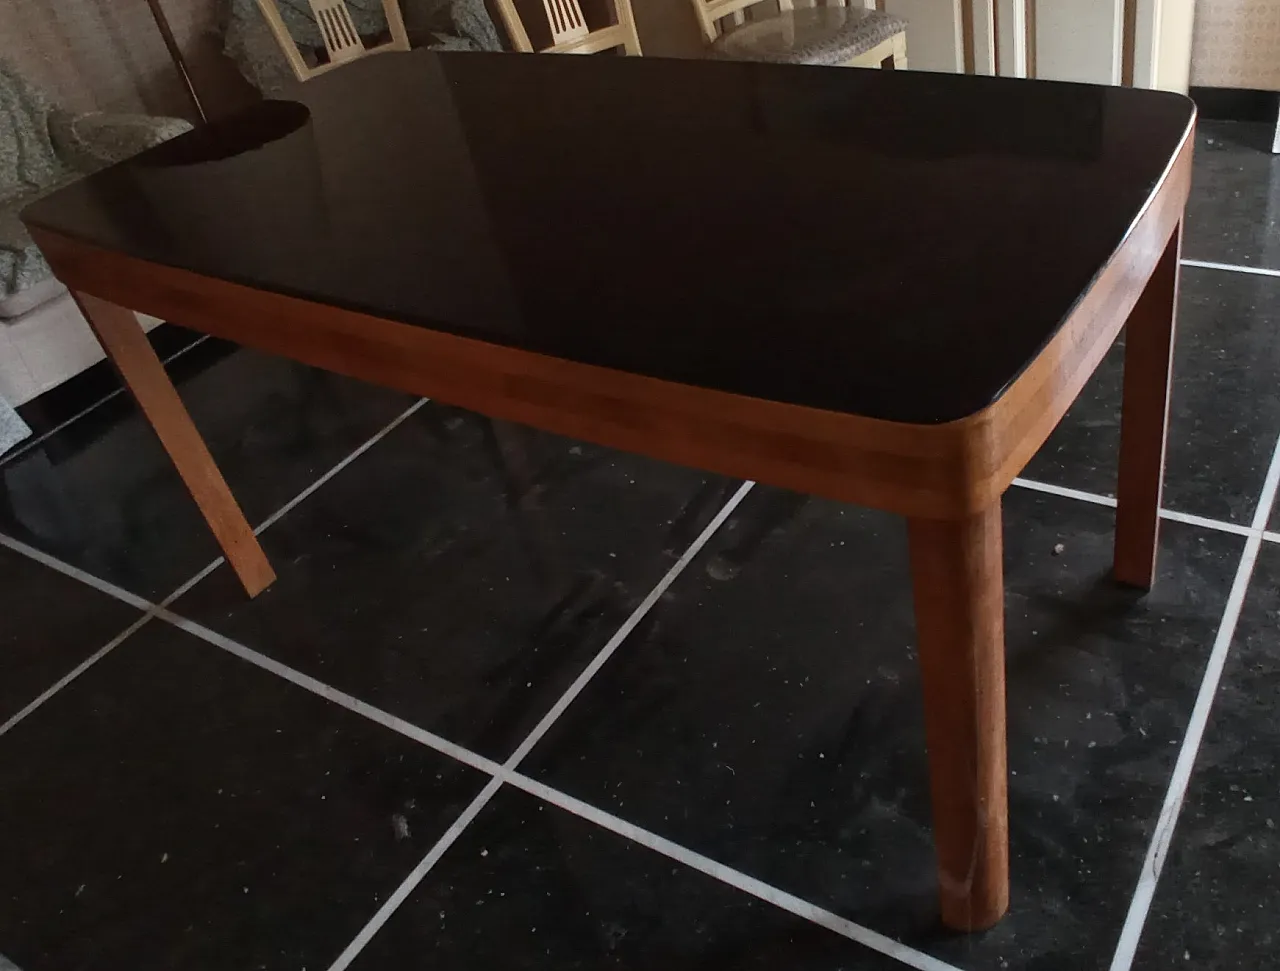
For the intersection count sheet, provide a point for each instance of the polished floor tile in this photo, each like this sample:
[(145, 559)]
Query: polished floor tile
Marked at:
[(529, 886), (175, 807), (461, 574), (49, 623), (1218, 894), (110, 412), (102, 494), (1233, 215), (1225, 410), (769, 716)]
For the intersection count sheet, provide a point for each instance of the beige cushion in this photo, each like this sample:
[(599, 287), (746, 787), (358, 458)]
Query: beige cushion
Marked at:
[(819, 35)]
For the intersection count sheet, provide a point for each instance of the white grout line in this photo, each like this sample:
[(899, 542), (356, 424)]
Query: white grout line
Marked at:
[(1171, 515), (1231, 268), (75, 672), (301, 496), (504, 772), (153, 610), (726, 874), (625, 630), (1220, 525), (1056, 490), (1162, 836), (110, 589), (190, 584), (190, 347), (392, 426), (410, 883), (45, 436), (340, 698), (66, 569)]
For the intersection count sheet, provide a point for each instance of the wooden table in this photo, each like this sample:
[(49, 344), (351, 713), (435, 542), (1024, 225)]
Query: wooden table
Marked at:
[(883, 288)]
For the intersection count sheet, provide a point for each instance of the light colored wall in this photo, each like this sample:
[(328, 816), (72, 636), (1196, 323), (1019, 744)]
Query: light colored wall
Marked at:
[(933, 33), (1086, 40), (1162, 49), (108, 54), (1079, 40), (1236, 44), (668, 28)]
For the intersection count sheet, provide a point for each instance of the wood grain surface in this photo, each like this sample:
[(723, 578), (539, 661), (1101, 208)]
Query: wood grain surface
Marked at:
[(1144, 421), (957, 578), (130, 351)]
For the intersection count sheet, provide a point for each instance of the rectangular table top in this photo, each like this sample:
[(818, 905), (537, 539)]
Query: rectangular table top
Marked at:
[(894, 245)]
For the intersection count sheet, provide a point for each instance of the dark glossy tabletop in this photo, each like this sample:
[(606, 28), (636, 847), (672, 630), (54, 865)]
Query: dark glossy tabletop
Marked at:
[(897, 245)]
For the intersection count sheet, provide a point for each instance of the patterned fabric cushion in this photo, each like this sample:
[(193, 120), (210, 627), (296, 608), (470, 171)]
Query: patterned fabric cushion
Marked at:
[(437, 24), (95, 140), (22, 265), (28, 159), (819, 35), (12, 430), (43, 148)]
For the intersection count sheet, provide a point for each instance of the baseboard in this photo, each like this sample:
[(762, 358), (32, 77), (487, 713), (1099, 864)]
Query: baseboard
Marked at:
[(1236, 104)]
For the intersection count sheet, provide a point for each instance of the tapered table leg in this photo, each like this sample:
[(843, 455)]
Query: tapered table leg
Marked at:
[(130, 351), (958, 581), (1144, 420)]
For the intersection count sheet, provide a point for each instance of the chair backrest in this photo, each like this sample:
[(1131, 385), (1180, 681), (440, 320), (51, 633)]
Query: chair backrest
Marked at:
[(342, 42), (569, 31), (716, 15)]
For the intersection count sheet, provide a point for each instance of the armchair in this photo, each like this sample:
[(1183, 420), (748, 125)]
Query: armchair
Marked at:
[(43, 147)]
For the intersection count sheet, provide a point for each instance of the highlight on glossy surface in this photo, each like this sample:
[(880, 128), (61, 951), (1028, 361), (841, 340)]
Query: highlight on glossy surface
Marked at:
[(882, 226)]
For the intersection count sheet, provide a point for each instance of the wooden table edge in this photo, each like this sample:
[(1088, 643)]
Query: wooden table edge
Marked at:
[(930, 470)]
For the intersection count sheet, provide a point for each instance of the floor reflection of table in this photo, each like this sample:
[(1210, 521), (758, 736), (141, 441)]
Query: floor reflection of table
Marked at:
[(880, 288)]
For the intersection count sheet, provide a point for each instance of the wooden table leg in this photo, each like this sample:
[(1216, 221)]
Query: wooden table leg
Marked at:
[(958, 581), (1144, 420), (130, 351)]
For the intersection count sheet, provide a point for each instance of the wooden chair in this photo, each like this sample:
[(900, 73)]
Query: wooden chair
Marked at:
[(342, 42), (569, 33), (845, 33)]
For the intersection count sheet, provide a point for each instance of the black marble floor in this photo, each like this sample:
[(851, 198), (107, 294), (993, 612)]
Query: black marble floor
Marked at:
[(521, 702)]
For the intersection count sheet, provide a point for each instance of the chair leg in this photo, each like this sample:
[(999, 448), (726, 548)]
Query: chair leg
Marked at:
[(878, 57), (900, 52), (121, 336), (1144, 420), (958, 583)]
